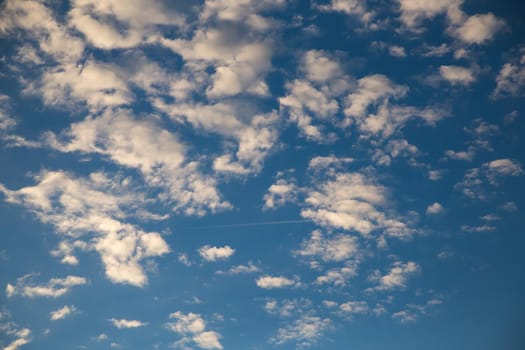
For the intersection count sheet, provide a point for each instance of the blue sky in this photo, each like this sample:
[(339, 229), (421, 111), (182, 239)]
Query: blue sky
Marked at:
[(270, 174)]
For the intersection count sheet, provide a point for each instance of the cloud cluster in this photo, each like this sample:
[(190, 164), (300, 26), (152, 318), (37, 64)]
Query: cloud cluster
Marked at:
[(54, 288), (192, 328)]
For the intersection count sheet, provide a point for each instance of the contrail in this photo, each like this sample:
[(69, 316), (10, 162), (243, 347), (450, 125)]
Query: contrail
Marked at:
[(248, 224)]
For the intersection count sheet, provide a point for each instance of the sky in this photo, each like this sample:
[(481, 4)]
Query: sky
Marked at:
[(262, 174)]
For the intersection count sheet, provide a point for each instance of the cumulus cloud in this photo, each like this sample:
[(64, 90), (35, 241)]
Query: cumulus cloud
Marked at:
[(148, 147), (210, 253), (10, 330), (456, 75), (274, 282), (338, 276), (351, 201), (511, 78), (62, 312), (435, 208), (326, 248), (397, 277), (123, 323), (280, 193), (304, 332), (474, 181), (192, 328), (54, 288), (288, 307), (478, 29), (92, 211)]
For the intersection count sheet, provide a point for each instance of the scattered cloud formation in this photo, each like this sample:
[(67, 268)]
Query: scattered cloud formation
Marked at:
[(272, 282), (210, 253), (124, 323), (192, 329), (54, 288), (435, 208), (63, 312)]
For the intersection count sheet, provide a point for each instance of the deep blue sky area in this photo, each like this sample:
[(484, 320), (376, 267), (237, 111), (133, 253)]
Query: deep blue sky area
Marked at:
[(253, 175)]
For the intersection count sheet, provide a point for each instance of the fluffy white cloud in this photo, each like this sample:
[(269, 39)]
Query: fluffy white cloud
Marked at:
[(208, 340), (155, 152), (338, 276), (351, 201), (478, 29), (456, 75), (272, 282), (192, 327), (280, 193), (287, 307), (350, 308), (62, 312), (23, 337), (307, 104), (493, 172), (331, 248), (413, 12), (92, 211), (304, 331), (397, 277), (54, 288), (103, 22), (210, 253), (320, 67), (511, 77), (435, 208), (123, 323), (371, 90)]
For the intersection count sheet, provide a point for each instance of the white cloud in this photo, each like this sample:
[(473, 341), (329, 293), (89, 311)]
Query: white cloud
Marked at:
[(307, 104), (456, 75), (62, 312), (320, 67), (350, 7), (502, 167), (371, 90), (461, 155), (305, 331), (478, 29), (255, 133), (210, 253), (9, 329), (338, 276), (272, 282), (208, 340), (475, 179), (154, 151), (397, 277), (111, 24), (435, 208), (351, 201), (54, 288), (280, 193), (288, 307), (192, 327), (240, 269), (413, 12), (350, 308), (511, 78), (397, 51), (123, 323), (94, 209), (23, 337), (331, 248)]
